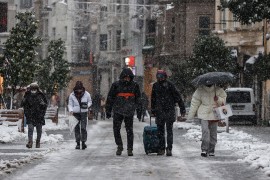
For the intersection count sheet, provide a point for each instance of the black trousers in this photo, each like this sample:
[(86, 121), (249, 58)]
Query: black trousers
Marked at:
[(165, 118), (117, 122), (31, 131), (80, 128)]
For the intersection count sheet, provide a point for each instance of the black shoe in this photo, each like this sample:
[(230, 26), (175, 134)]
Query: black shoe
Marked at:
[(130, 153), (78, 145), (204, 154), (119, 150), (168, 152), (83, 146), (161, 152), (29, 144), (211, 154)]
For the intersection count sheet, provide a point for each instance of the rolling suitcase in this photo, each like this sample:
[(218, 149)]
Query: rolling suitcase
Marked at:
[(150, 139)]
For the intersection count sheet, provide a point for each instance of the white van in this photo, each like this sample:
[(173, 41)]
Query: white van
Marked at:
[(242, 103)]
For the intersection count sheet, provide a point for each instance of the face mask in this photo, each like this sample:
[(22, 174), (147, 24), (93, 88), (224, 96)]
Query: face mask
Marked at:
[(33, 91)]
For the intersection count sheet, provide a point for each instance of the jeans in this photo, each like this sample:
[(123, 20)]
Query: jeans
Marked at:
[(31, 131), (80, 128), (165, 118)]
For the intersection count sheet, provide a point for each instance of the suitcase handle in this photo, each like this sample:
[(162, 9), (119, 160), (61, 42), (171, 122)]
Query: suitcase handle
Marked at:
[(150, 120)]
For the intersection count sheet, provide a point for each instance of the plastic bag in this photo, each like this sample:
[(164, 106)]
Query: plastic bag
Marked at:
[(72, 122)]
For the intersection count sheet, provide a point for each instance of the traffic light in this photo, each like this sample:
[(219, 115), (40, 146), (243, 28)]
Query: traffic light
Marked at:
[(130, 61)]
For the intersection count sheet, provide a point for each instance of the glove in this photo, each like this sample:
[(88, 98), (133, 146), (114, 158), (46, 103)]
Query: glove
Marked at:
[(108, 115)]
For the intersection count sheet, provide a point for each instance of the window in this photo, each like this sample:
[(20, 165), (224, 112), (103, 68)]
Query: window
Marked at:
[(26, 3), (151, 26), (66, 32), (173, 20), (173, 29), (118, 40), (53, 32), (204, 25), (3, 17), (103, 42), (109, 40), (173, 38), (46, 25), (223, 19), (103, 12), (238, 97)]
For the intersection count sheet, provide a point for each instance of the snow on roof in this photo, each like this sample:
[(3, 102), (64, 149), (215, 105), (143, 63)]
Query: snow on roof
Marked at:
[(252, 59), (239, 89)]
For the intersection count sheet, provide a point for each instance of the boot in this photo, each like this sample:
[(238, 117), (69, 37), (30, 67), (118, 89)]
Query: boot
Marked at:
[(119, 150), (29, 144), (130, 153), (78, 145), (38, 144), (83, 145), (161, 152), (168, 152)]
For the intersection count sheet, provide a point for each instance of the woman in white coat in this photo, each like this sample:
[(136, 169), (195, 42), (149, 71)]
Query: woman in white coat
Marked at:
[(78, 104), (203, 101)]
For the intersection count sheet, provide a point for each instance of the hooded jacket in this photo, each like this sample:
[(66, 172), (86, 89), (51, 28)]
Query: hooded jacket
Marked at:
[(75, 100), (125, 106), (203, 102), (35, 106)]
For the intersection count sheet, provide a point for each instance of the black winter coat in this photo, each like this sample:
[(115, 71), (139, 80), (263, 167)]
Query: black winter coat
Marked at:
[(35, 106), (119, 104), (164, 96)]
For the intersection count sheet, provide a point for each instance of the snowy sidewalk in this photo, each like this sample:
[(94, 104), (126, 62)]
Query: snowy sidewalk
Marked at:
[(99, 157)]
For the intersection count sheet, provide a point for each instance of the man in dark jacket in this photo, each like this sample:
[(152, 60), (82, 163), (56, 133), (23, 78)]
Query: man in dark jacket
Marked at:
[(35, 105), (163, 99), (122, 100)]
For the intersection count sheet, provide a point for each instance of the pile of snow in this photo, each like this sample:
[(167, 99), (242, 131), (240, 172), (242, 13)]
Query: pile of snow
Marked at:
[(10, 134), (255, 152)]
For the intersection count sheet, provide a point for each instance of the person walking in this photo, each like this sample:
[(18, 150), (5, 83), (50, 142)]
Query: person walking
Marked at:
[(204, 99), (96, 105), (122, 100), (35, 105), (78, 104), (102, 107), (143, 106), (163, 99)]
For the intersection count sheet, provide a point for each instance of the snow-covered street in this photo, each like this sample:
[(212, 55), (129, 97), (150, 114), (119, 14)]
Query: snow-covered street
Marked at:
[(238, 156)]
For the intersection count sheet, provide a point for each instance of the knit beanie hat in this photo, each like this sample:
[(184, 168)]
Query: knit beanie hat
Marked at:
[(161, 74)]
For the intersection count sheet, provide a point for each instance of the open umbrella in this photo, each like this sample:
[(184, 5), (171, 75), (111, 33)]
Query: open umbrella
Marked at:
[(217, 78)]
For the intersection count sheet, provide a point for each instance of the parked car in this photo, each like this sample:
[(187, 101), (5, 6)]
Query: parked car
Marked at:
[(243, 105)]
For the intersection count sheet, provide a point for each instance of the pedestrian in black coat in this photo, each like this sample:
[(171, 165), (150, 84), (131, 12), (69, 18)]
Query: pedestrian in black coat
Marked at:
[(96, 106), (122, 100), (163, 99), (35, 106), (143, 106)]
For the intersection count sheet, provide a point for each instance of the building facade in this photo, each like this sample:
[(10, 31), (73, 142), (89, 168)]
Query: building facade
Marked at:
[(247, 41), (175, 32)]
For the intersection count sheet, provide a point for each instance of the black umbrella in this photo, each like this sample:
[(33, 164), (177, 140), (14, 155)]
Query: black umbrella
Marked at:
[(217, 78)]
